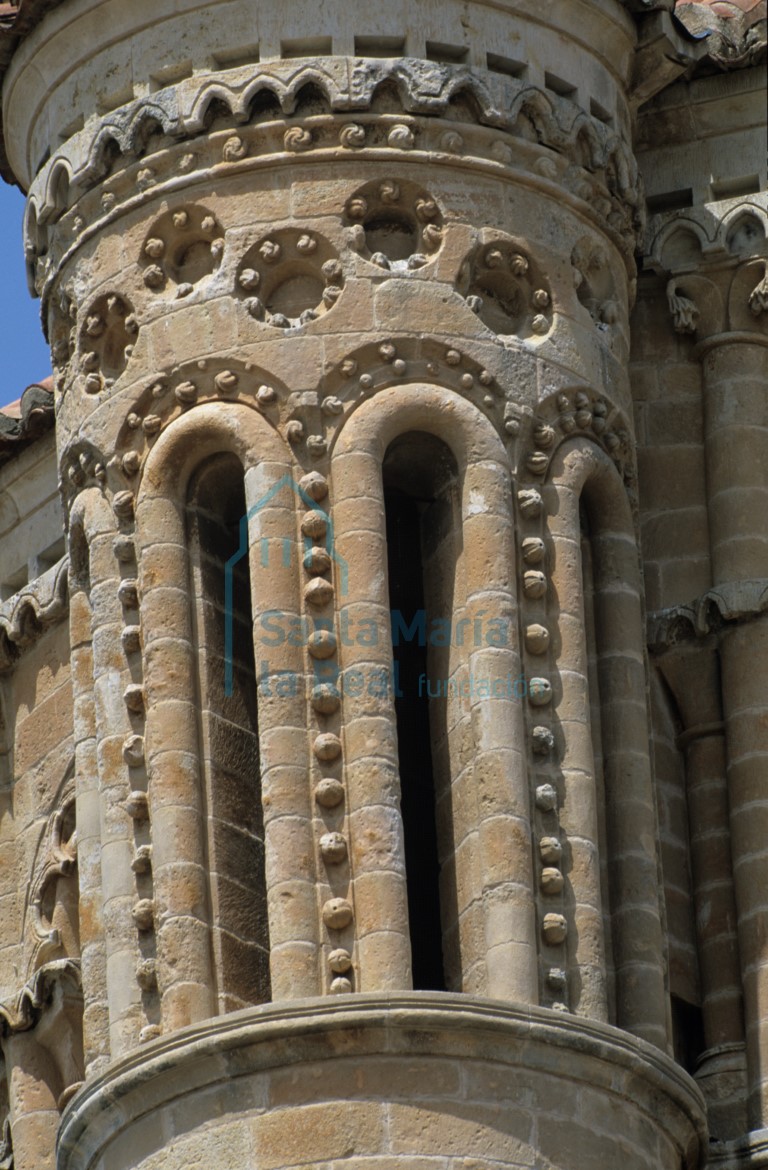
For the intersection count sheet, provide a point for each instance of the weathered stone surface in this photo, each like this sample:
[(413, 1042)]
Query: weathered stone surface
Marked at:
[(373, 450)]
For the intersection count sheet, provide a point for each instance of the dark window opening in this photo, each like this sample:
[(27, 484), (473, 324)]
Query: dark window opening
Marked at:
[(560, 86), (446, 54), (600, 112), (419, 472), (591, 627), (732, 187), (506, 65), (670, 201), (229, 738), (687, 1033), (306, 47), (380, 46)]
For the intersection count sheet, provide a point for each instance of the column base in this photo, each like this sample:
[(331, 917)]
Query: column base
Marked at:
[(336, 1082)]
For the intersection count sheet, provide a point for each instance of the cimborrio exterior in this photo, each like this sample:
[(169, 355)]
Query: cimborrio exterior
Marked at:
[(384, 755)]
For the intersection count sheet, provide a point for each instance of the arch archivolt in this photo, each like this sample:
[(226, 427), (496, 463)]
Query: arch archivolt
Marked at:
[(328, 444), (274, 502), (500, 892), (588, 733)]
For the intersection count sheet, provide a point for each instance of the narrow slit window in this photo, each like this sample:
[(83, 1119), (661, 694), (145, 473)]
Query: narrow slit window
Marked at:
[(560, 86), (419, 476), (670, 200), (229, 743)]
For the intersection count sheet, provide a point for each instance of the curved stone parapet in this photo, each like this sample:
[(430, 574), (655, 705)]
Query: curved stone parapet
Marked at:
[(585, 45), (393, 1078)]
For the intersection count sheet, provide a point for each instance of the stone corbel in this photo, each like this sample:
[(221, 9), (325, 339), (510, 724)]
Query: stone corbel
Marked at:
[(37, 606), (50, 1007), (684, 310), (758, 298), (732, 42), (24, 1010), (58, 861), (664, 53), (734, 601)]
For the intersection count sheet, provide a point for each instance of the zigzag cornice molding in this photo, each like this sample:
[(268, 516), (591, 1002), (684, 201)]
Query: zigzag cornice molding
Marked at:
[(349, 85)]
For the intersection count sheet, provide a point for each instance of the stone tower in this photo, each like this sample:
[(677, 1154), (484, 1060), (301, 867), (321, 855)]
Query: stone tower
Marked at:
[(367, 852)]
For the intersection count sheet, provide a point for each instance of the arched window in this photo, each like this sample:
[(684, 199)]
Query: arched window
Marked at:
[(436, 782), (608, 814), (229, 735)]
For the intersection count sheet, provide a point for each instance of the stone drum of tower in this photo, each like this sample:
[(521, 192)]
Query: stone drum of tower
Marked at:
[(338, 302)]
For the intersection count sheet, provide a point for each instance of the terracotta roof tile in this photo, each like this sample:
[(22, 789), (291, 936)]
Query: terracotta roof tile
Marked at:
[(23, 421), (746, 12), (736, 29)]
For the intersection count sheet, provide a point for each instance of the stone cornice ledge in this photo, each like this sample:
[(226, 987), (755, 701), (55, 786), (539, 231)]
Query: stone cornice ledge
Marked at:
[(430, 1024), (22, 1011), (733, 601), (30, 611)]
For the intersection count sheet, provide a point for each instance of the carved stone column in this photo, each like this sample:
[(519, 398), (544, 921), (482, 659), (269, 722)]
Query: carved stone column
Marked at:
[(692, 673), (725, 310), (736, 417), (32, 1098), (43, 1052)]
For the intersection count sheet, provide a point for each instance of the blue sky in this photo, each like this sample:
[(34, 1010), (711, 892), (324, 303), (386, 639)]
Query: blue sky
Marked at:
[(24, 354)]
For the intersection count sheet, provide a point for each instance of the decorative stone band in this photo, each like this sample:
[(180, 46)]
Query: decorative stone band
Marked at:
[(714, 231), (24, 1010), (321, 414), (412, 1074), (734, 601), (28, 613), (735, 337), (573, 149)]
